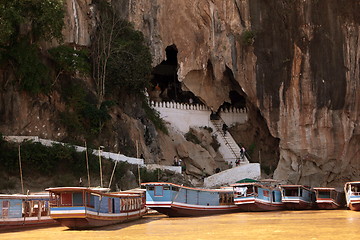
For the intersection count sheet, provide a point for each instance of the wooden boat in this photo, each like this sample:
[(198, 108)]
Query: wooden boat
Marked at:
[(179, 201), (298, 197), (82, 208), (352, 195), (329, 198), (257, 197), (20, 210)]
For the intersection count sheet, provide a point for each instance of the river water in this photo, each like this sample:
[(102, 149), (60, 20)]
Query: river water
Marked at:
[(320, 224)]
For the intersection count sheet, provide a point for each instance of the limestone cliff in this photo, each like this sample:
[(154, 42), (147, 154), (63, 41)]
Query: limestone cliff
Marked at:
[(296, 62)]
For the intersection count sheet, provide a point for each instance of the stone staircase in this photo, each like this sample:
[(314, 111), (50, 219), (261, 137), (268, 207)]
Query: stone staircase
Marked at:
[(230, 149)]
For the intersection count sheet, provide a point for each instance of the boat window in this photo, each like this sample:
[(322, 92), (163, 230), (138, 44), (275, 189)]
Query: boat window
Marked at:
[(5, 208), (291, 192), (111, 205), (323, 194), (151, 188), (66, 199), (301, 191), (241, 191), (266, 193), (166, 188), (90, 199), (273, 196), (255, 189), (78, 199), (158, 191), (176, 189)]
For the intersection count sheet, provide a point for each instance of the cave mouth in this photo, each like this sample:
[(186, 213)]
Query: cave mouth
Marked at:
[(254, 134), (165, 85)]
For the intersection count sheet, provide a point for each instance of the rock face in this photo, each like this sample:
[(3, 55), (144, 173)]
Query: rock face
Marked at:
[(297, 62)]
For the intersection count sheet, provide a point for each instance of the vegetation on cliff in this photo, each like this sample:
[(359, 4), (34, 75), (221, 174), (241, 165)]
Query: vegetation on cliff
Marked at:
[(62, 165)]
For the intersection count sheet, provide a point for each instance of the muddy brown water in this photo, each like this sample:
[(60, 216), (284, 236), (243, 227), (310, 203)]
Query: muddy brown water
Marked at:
[(320, 224)]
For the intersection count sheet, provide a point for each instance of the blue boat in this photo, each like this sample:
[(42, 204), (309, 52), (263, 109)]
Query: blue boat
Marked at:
[(298, 197), (82, 208), (20, 210), (257, 197), (179, 201)]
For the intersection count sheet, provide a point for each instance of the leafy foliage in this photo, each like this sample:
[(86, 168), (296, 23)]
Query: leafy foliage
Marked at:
[(31, 19), (23, 24), (121, 60), (37, 158), (84, 115), (191, 137), (154, 117), (248, 37), (32, 74), (71, 60)]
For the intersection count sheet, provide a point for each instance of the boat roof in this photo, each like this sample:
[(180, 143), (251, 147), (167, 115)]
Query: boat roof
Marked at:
[(24, 196), (295, 186), (96, 190), (324, 188), (357, 182), (225, 189)]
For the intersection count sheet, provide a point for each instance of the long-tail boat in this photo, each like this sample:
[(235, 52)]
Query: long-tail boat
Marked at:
[(24, 210), (256, 197), (352, 194), (180, 201), (298, 197), (82, 208), (329, 198)]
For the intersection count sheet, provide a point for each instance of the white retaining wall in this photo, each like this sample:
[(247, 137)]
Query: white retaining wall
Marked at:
[(232, 175), (184, 116), (109, 155)]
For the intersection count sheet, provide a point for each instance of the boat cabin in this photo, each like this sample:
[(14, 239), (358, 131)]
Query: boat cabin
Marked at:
[(94, 200), (168, 192), (20, 206), (257, 190)]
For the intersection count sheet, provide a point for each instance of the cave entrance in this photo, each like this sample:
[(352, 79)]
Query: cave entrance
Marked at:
[(165, 83)]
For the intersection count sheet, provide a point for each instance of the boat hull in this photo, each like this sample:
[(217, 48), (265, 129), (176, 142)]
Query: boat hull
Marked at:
[(327, 205), (30, 222), (187, 211), (86, 220), (299, 205), (89, 222), (258, 206), (355, 206)]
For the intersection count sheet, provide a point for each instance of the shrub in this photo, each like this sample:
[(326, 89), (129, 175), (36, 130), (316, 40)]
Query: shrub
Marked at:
[(248, 37), (70, 60), (191, 137), (154, 117)]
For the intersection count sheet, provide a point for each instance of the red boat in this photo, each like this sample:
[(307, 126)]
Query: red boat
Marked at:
[(298, 197), (329, 198)]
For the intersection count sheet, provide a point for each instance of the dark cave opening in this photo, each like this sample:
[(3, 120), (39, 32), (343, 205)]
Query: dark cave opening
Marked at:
[(254, 135), (165, 85)]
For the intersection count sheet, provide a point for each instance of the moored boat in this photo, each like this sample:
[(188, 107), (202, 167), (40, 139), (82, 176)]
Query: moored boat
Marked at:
[(81, 208), (298, 197), (257, 197), (179, 201), (329, 198), (20, 210), (352, 195)]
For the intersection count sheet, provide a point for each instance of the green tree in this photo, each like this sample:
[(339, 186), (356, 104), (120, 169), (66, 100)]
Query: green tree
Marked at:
[(23, 24), (121, 60)]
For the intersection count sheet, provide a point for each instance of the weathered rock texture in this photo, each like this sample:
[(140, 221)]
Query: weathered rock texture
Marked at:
[(301, 71)]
